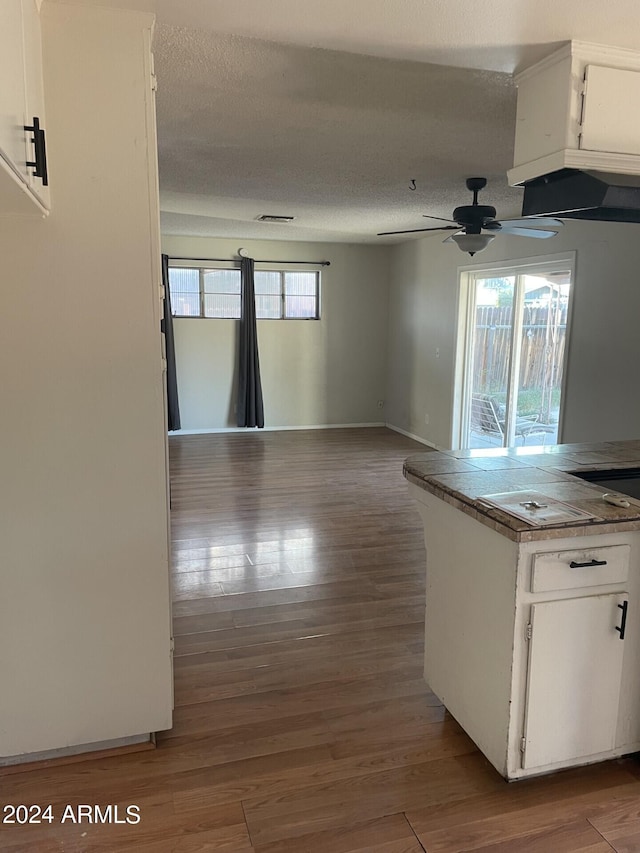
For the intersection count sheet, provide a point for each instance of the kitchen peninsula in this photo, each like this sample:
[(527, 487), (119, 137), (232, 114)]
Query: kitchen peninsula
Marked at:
[(532, 635)]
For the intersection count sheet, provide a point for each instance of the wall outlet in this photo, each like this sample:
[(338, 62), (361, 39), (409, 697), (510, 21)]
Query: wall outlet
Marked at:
[(426, 419), (380, 404)]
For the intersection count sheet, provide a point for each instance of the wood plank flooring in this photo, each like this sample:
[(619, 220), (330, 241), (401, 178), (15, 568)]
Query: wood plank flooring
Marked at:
[(302, 722)]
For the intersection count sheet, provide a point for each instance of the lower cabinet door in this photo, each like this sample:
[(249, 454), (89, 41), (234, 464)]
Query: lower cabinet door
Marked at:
[(574, 677)]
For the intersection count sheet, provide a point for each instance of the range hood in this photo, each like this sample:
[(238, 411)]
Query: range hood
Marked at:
[(578, 194)]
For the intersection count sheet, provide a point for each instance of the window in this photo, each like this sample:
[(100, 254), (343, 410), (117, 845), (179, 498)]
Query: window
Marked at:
[(215, 293)]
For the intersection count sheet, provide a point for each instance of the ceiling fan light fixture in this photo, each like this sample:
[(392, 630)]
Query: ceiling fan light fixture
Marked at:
[(472, 243)]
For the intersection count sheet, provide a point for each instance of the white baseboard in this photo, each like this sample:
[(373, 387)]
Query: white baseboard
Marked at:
[(80, 749), (414, 437), (246, 430)]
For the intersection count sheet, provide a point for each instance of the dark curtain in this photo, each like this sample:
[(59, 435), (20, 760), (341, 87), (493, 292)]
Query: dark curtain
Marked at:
[(166, 326), (250, 406)]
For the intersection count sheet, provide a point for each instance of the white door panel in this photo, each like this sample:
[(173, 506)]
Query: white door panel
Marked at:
[(573, 685)]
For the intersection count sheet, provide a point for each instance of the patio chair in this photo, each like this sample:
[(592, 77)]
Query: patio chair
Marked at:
[(485, 419)]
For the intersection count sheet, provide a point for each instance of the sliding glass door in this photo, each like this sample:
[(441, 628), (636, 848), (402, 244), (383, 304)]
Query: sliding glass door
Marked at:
[(515, 336)]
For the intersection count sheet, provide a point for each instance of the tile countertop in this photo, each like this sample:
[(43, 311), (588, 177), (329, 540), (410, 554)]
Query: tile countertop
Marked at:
[(460, 477)]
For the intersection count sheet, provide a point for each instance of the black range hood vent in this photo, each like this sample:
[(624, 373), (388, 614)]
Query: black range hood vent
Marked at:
[(575, 194)]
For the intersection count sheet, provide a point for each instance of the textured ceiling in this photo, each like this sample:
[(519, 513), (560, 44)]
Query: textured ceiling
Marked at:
[(248, 127), (325, 110)]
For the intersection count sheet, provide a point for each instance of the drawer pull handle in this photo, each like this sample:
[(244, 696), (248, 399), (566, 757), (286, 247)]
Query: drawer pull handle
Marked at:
[(620, 628), (588, 565), (39, 165)]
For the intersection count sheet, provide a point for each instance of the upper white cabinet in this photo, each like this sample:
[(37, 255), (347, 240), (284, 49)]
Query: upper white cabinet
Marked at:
[(23, 187), (577, 109), (609, 118), (12, 91)]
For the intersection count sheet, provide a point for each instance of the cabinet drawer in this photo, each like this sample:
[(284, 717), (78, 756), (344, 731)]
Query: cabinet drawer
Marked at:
[(579, 568)]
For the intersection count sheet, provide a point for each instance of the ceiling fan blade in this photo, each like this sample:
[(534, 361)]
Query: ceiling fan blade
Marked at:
[(450, 239), (531, 222), (428, 216), (416, 230), (517, 231)]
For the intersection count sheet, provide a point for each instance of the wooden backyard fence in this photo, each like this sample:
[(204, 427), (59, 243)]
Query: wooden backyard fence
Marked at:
[(543, 341)]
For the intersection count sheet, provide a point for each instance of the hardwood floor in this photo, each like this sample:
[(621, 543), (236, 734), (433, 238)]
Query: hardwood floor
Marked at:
[(302, 722)]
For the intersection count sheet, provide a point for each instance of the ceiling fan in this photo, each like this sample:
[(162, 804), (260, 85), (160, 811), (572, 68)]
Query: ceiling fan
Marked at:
[(472, 219)]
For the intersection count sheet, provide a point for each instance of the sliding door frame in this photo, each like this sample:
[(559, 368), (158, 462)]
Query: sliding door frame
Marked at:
[(466, 312)]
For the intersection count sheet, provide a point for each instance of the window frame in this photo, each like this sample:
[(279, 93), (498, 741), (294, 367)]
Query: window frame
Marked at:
[(282, 293)]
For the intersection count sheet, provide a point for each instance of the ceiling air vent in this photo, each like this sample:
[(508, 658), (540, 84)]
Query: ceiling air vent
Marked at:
[(271, 217)]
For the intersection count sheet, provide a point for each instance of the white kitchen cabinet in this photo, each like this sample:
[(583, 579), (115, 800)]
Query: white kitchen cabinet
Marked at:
[(12, 91), (84, 610), (577, 110), (21, 99), (573, 679), (34, 86), (521, 643)]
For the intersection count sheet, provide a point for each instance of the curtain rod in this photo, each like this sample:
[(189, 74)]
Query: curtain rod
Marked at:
[(237, 260)]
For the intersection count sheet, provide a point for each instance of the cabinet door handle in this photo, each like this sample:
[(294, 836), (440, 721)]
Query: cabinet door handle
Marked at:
[(623, 624), (39, 165), (588, 565)]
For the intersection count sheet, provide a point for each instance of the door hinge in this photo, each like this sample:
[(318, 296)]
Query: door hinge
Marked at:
[(172, 646), (154, 83), (583, 98), (529, 631), (164, 365), (523, 744)]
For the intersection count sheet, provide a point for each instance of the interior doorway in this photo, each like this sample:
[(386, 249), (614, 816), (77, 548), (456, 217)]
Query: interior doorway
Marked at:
[(514, 341)]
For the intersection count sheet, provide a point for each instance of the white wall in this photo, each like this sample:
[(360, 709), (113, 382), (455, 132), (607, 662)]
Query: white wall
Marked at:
[(601, 402), (313, 373), (84, 610)]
